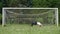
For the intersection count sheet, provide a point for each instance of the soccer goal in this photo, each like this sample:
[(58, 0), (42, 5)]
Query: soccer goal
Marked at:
[(27, 15)]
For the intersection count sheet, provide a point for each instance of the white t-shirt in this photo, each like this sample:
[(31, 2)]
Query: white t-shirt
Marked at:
[(38, 23)]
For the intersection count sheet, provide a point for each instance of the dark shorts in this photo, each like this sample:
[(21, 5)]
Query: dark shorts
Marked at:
[(33, 23)]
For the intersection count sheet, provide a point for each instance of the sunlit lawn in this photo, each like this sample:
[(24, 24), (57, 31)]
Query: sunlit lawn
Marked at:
[(27, 29)]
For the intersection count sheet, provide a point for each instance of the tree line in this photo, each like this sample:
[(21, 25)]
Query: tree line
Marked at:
[(29, 3)]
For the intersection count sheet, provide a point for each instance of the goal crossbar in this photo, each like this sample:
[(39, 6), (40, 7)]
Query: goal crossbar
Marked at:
[(29, 8)]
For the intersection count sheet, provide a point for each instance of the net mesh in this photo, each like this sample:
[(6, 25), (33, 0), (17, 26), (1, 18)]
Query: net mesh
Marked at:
[(19, 16)]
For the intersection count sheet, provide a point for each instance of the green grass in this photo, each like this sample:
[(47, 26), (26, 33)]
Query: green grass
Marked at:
[(27, 29)]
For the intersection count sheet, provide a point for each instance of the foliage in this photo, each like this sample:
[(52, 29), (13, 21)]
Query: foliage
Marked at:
[(0, 16), (46, 3), (30, 3)]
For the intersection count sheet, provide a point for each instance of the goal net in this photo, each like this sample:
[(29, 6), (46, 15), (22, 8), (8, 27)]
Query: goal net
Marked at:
[(27, 15)]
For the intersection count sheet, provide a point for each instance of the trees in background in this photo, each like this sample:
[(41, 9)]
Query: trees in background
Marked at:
[(30, 3)]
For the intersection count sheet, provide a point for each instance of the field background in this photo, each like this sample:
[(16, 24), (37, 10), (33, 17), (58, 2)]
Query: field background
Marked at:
[(27, 29)]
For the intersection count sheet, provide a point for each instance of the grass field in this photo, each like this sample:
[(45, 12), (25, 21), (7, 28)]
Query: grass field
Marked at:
[(27, 29)]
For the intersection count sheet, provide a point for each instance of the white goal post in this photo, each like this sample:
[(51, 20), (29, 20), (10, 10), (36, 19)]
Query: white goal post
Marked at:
[(4, 13)]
